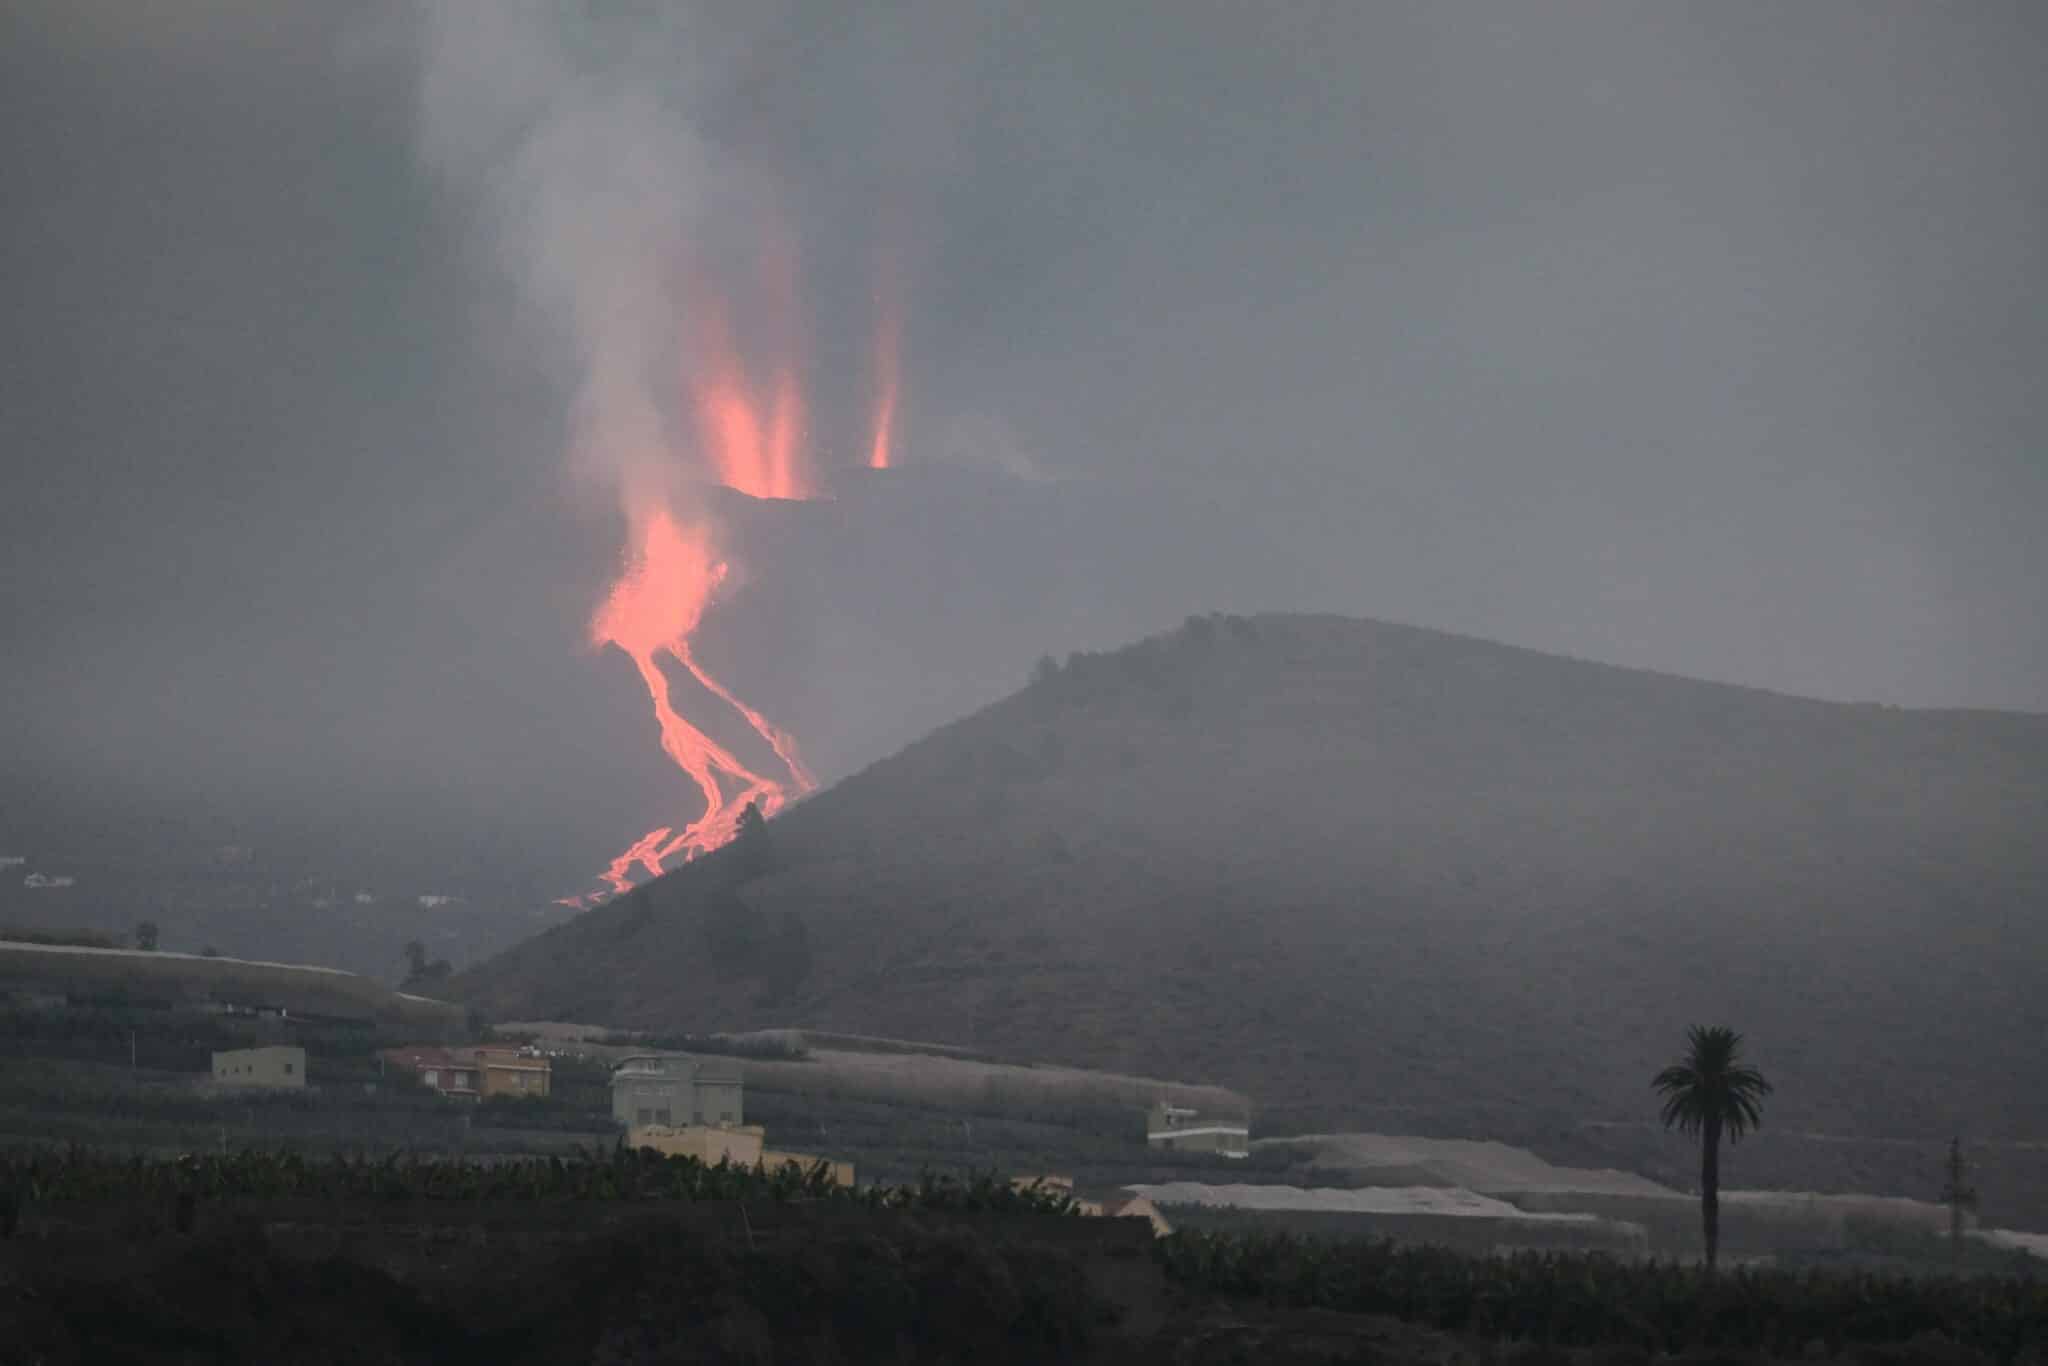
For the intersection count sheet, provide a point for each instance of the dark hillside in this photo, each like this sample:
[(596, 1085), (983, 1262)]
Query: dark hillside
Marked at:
[(1380, 876)]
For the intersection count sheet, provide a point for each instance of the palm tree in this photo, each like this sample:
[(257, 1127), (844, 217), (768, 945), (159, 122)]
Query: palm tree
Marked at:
[(1708, 1092)]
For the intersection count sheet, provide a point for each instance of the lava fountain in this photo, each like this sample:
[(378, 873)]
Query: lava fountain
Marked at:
[(753, 441), (751, 438), (888, 348)]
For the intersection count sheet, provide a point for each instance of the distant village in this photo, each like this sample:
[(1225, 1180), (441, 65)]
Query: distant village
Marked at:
[(380, 1068), (686, 1106), (672, 1101)]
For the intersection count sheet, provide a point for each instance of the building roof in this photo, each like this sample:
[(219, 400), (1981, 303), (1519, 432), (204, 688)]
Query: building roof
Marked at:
[(1239, 1130), (676, 1067), (427, 1055), (465, 1055)]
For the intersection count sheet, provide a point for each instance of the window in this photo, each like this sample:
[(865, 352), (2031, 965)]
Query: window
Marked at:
[(287, 1069), (431, 1077), (647, 1116), (725, 1116), (661, 1116)]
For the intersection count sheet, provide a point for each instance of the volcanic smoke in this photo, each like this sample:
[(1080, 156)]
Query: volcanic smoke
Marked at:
[(621, 218)]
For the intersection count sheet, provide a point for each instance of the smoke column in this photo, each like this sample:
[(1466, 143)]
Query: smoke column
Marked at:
[(572, 131)]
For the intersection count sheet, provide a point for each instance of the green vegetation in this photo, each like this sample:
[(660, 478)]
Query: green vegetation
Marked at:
[(1589, 1300), (874, 1287), (618, 1174), (1709, 1092), (420, 974)]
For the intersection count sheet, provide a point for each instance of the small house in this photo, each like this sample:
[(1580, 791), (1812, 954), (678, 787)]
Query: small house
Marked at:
[(475, 1071), (1173, 1128), (674, 1091), (280, 1066)]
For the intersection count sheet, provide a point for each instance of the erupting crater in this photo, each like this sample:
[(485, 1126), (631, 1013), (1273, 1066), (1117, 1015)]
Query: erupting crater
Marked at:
[(751, 439)]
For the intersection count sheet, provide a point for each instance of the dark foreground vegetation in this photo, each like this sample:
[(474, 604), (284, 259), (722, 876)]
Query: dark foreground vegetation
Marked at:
[(51, 1179), (886, 1289), (1582, 1300), (616, 1257)]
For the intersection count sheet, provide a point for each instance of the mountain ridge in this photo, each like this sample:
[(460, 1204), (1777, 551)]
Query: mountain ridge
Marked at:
[(1357, 869)]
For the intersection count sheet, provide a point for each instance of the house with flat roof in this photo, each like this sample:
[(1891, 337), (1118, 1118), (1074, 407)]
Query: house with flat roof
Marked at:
[(1173, 1128), (676, 1091)]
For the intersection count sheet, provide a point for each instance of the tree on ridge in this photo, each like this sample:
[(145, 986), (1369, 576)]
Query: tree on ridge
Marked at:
[(1709, 1092)]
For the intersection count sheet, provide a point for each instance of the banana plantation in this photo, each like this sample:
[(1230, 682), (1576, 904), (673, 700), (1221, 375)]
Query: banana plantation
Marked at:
[(1577, 1299), (620, 1173)]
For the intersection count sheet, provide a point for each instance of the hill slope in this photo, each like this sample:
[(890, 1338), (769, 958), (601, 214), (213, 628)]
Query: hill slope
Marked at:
[(1378, 876)]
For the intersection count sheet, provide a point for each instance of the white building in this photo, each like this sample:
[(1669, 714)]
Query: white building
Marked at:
[(1173, 1128), (664, 1089)]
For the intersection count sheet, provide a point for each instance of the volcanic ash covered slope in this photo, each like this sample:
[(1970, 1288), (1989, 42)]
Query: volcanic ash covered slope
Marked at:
[(1376, 876)]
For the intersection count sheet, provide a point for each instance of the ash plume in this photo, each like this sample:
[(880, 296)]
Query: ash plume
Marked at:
[(570, 134)]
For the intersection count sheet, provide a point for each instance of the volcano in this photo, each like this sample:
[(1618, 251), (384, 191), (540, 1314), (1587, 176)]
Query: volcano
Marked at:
[(1362, 871)]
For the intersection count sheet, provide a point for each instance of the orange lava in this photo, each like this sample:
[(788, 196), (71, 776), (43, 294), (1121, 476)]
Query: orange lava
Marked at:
[(888, 381), (651, 611), (751, 445), (750, 426)]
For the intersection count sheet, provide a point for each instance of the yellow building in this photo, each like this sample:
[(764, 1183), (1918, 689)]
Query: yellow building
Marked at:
[(840, 1172), (741, 1145), (475, 1071), (506, 1071)]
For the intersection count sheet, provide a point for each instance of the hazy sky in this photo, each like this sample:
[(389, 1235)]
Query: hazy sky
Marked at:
[(1708, 338)]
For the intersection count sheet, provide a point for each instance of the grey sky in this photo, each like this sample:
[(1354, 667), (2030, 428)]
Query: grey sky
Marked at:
[(1705, 338)]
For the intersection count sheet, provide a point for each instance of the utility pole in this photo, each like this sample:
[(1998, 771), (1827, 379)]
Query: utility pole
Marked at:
[(1958, 1196)]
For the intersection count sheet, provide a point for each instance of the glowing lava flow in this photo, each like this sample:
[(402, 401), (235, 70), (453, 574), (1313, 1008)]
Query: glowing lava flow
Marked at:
[(751, 438), (651, 611)]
